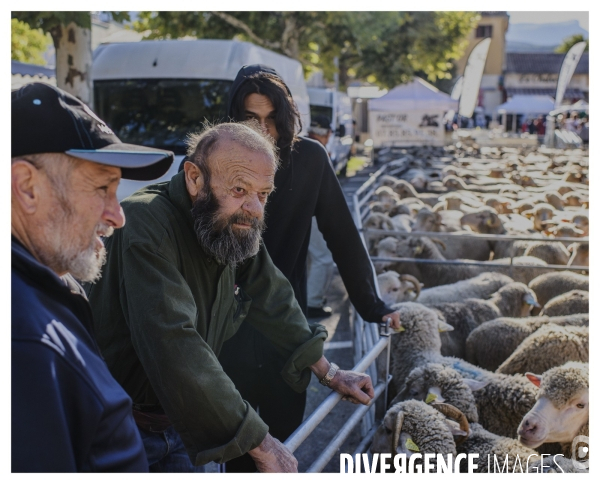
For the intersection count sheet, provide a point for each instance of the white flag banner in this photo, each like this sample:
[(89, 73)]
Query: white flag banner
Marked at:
[(457, 89), (567, 70), (472, 78)]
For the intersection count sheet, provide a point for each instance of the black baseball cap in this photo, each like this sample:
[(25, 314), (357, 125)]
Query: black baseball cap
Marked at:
[(46, 119)]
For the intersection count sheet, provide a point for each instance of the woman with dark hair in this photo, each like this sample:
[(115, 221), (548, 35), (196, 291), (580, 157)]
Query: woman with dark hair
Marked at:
[(305, 186)]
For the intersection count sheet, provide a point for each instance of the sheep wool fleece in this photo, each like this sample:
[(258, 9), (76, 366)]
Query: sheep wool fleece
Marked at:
[(163, 309)]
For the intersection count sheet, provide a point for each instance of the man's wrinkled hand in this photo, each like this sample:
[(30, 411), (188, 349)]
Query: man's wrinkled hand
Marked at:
[(272, 456), (354, 387)]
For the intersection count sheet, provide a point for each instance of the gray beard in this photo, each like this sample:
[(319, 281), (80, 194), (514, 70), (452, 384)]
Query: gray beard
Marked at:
[(61, 251), (218, 237)]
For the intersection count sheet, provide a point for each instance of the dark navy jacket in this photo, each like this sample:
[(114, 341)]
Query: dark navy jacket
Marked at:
[(68, 412)]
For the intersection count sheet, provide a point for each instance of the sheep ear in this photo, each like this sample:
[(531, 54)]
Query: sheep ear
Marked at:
[(443, 326), (535, 379), (475, 385)]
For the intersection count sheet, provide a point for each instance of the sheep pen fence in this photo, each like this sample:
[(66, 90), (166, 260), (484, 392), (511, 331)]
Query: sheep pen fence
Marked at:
[(371, 342)]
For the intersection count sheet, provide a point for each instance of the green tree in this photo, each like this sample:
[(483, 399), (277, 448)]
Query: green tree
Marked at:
[(72, 37), (570, 42), (382, 47), (27, 44)]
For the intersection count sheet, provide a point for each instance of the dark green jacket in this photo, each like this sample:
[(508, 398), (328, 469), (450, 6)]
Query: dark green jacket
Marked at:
[(163, 309)]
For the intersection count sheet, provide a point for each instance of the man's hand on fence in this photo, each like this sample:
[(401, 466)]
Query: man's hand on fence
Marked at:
[(395, 320), (354, 387), (272, 456)]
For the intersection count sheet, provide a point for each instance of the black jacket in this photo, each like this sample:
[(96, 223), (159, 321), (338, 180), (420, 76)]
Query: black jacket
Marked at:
[(306, 185), (68, 413)]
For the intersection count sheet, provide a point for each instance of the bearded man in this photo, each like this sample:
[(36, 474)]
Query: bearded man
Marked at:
[(68, 413), (181, 277)]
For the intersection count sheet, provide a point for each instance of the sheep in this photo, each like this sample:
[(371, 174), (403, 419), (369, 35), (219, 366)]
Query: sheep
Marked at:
[(550, 346), (501, 403), (555, 199), (572, 302), (496, 453), (514, 299), (580, 254), (550, 252), (557, 464), (517, 224), (563, 229), (441, 384), (403, 222), (498, 203), (582, 222), (396, 288), (427, 220), (482, 346), (387, 197), (437, 274), (552, 284), (452, 182), (392, 247), (413, 426), (438, 384), (481, 286), (405, 190), (379, 221), (561, 411)]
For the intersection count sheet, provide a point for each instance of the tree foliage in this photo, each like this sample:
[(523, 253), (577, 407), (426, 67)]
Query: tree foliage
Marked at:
[(384, 48), (51, 22), (570, 42), (27, 44)]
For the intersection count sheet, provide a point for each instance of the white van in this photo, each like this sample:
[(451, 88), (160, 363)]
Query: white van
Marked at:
[(155, 92), (338, 108)]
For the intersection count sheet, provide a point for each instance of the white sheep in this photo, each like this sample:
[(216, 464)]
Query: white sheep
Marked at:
[(433, 383), (552, 284), (481, 286), (572, 302), (482, 346), (396, 288), (549, 346), (514, 299), (561, 411), (501, 403)]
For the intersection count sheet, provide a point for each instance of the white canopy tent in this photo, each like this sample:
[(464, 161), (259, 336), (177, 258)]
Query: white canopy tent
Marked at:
[(526, 105), (410, 114)]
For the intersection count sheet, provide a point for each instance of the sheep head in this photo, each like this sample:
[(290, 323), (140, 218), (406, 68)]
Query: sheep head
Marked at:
[(485, 221), (395, 288), (435, 383), (561, 411), (405, 189), (408, 427)]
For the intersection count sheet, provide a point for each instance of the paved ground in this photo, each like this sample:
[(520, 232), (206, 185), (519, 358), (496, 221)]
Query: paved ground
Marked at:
[(338, 326)]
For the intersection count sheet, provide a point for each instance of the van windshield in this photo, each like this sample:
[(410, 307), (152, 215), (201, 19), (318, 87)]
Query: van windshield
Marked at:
[(159, 112), (321, 110)]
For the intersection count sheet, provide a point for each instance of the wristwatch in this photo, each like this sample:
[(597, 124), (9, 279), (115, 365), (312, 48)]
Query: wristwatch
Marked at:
[(326, 380)]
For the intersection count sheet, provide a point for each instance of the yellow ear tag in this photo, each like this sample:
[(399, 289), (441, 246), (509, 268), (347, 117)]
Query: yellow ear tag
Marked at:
[(431, 397), (410, 445), (400, 329)]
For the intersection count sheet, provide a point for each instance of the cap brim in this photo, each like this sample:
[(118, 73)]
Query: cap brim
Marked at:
[(136, 162)]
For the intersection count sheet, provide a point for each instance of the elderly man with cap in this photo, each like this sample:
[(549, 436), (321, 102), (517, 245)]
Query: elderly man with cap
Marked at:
[(68, 412), (180, 278)]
